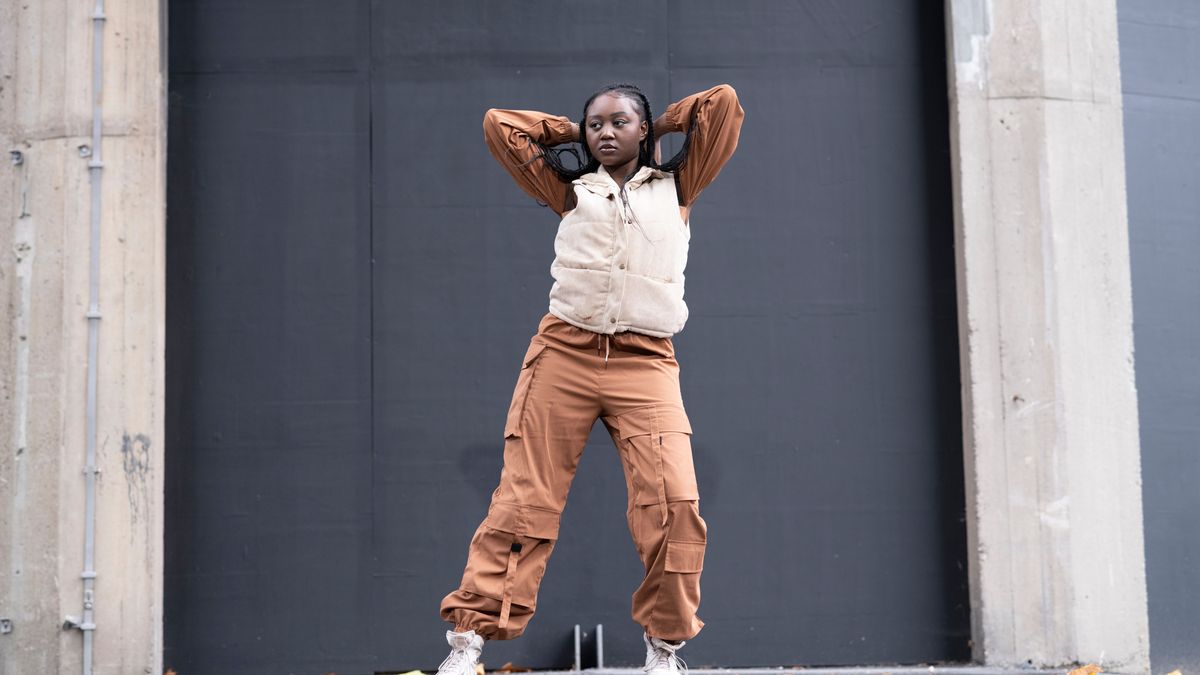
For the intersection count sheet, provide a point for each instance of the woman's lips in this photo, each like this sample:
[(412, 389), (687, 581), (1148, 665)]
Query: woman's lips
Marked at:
[(608, 148)]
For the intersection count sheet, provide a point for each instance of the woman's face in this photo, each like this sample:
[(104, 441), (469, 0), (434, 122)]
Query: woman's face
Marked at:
[(614, 130)]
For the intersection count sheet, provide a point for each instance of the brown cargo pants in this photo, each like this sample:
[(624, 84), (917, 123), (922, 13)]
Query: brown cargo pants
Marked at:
[(569, 378)]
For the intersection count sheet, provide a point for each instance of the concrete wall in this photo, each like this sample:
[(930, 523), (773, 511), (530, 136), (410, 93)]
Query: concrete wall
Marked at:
[(46, 97), (1160, 81), (1050, 408)]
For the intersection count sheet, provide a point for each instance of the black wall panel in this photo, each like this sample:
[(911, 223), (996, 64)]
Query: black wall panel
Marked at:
[(353, 279), (1160, 47)]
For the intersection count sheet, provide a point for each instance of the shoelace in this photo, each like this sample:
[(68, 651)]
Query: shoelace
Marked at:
[(663, 658), (456, 661)]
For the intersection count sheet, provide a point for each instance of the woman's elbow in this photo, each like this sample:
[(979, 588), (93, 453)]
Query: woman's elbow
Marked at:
[(725, 104), (490, 119)]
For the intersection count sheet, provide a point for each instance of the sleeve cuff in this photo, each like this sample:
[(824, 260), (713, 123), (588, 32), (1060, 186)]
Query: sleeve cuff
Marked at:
[(558, 130), (671, 117)]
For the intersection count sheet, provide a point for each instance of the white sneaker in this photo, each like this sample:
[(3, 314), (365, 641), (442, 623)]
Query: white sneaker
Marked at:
[(661, 658), (465, 649)]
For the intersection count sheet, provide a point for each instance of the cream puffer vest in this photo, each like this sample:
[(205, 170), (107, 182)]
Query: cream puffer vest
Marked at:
[(620, 255)]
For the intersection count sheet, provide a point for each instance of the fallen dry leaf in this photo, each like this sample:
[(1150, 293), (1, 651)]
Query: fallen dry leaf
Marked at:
[(510, 668), (1175, 672), (1089, 669)]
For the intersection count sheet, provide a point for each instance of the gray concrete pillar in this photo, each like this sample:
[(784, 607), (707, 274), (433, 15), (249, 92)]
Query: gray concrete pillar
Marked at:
[(1049, 405), (46, 110)]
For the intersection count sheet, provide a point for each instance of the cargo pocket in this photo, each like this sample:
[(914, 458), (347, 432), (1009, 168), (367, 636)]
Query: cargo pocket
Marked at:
[(508, 556), (685, 557), (658, 446), (516, 409)]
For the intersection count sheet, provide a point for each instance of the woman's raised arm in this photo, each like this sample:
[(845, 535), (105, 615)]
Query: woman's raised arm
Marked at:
[(511, 136), (717, 117)]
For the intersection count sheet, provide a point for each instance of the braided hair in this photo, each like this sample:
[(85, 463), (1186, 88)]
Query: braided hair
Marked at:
[(588, 164)]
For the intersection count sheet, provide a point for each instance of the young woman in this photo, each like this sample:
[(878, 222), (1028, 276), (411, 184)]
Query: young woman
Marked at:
[(603, 351)]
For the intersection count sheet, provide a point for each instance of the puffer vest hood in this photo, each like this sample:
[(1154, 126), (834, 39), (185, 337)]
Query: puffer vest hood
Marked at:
[(620, 256)]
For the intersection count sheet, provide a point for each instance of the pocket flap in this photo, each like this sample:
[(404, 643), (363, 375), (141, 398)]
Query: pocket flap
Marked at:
[(640, 421), (536, 347), (684, 557), (528, 521)]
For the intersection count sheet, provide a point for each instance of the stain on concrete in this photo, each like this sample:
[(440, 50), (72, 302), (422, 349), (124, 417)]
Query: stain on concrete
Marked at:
[(135, 461)]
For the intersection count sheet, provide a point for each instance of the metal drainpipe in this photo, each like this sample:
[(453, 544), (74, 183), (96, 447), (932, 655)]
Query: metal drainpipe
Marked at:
[(95, 168)]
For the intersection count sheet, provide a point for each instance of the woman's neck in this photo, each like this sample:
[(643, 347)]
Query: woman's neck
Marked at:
[(622, 173)]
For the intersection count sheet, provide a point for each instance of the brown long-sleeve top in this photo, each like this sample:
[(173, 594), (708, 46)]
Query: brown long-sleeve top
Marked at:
[(715, 113)]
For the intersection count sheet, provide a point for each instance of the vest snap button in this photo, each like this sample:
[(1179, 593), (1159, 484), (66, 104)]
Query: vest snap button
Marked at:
[(613, 320), (622, 265)]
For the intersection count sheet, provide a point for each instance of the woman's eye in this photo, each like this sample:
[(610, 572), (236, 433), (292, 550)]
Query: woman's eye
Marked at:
[(619, 123)]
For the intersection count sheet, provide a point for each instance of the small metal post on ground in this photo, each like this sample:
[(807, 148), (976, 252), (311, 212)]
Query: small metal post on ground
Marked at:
[(578, 642), (599, 645)]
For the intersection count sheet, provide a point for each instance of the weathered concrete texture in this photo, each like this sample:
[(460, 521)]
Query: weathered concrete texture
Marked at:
[(1050, 407), (46, 99)]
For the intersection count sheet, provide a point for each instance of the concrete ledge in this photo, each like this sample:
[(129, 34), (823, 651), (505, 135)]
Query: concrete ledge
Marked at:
[(847, 670)]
